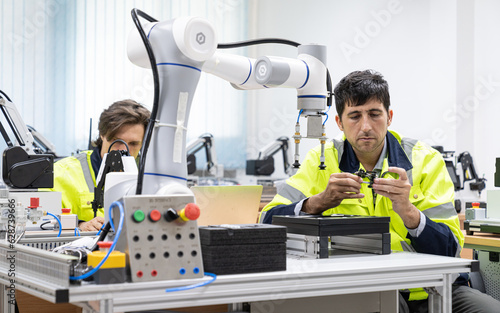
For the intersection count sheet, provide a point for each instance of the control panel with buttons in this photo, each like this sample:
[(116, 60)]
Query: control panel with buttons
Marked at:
[(160, 237)]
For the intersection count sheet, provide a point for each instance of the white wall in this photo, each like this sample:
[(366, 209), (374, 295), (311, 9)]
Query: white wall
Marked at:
[(436, 56), (412, 43), (485, 110)]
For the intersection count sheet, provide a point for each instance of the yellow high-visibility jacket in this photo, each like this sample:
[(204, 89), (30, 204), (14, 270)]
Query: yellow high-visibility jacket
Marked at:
[(74, 177), (432, 192)]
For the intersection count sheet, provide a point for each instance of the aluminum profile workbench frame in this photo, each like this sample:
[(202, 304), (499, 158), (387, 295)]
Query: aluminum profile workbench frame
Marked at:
[(351, 274)]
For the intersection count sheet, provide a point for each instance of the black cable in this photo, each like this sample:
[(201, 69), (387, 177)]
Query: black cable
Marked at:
[(146, 16), (7, 97), (41, 225), (257, 42), (154, 111), (329, 88), (90, 135), (103, 234), (6, 136), (278, 41), (11, 123), (2, 129), (119, 140)]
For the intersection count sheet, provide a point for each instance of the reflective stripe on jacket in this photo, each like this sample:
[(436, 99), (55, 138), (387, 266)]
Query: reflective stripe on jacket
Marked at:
[(432, 192), (75, 179)]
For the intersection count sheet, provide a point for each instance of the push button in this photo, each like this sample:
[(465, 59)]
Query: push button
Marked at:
[(154, 215), (138, 216), (171, 215), (190, 213)]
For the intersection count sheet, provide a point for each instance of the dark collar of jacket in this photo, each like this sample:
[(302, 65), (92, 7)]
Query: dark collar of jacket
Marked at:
[(396, 156), (95, 160)]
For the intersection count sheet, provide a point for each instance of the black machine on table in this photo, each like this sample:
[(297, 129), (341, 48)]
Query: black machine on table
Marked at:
[(323, 236), (23, 166)]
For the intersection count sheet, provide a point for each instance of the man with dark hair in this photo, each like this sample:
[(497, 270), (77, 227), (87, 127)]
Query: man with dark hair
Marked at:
[(416, 192), (75, 176)]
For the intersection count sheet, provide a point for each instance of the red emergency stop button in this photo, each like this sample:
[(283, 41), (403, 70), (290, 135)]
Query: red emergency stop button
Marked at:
[(65, 211), (190, 212), (154, 215)]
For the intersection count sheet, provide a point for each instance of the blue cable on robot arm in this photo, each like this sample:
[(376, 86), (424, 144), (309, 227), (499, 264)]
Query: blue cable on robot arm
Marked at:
[(298, 117), (326, 113)]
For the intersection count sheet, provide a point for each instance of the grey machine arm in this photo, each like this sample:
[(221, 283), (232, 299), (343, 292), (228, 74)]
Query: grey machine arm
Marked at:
[(205, 141), (42, 144), (264, 164), (22, 166)]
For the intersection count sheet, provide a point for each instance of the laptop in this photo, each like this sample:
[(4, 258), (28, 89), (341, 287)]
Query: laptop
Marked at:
[(227, 204)]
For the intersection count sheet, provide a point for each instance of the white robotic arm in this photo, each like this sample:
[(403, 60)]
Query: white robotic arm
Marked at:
[(180, 50)]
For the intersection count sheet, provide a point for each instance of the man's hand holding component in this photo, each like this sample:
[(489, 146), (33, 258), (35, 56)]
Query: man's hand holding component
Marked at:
[(398, 191), (93, 225), (340, 186)]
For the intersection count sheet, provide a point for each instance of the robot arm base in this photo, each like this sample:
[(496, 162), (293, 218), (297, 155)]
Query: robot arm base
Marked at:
[(21, 170)]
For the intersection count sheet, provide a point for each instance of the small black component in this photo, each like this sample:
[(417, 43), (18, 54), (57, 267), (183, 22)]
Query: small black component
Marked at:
[(171, 215), (62, 296), (110, 276), (191, 163), (497, 172), (113, 163), (478, 185), (260, 167), (371, 175), (494, 256)]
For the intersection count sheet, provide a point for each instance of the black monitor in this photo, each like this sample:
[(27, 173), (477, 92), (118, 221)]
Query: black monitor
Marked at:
[(453, 174)]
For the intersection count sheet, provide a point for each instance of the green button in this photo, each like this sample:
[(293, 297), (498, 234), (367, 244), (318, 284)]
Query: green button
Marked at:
[(139, 216)]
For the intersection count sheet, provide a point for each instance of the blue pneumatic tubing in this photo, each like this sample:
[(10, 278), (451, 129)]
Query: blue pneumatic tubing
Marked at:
[(298, 117), (59, 221), (118, 232), (326, 113), (194, 285)]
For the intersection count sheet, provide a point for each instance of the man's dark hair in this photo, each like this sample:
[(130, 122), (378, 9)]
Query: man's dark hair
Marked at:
[(359, 87), (120, 113)]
